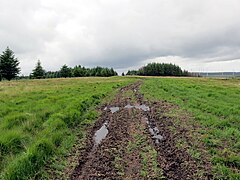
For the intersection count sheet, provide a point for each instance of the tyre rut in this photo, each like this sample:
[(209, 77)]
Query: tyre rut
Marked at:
[(134, 126)]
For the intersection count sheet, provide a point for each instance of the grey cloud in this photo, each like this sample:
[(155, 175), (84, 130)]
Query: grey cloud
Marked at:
[(121, 33)]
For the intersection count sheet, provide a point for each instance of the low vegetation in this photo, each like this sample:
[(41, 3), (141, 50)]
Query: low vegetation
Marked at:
[(215, 105), (39, 119)]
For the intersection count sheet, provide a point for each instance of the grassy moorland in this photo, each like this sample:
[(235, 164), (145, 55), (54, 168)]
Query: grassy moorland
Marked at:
[(215, 105), (39, 118)]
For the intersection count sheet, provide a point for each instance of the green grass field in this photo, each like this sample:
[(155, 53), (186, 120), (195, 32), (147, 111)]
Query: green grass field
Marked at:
[(215, 105), (39, 118)]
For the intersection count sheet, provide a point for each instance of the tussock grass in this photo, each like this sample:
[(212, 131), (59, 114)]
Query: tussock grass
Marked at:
[(12, 141)]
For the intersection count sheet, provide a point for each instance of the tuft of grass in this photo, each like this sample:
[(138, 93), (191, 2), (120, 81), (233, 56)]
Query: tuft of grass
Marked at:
[(14, 120), (12, 141), (28, 163)]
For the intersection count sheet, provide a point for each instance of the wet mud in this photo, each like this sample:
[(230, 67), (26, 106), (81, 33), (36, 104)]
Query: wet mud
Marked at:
[(113, 145)]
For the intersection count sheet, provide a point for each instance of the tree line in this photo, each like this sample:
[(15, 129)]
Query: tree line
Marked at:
[(9, 69), (77, 71), (159, 69)]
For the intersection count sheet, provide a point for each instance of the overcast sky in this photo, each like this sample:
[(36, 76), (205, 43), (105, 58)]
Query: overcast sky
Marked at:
[(198, 35)]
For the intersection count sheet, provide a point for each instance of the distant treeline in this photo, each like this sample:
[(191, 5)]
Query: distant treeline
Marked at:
[(9, 69), (80, 71), (77, 71), (159, 69)]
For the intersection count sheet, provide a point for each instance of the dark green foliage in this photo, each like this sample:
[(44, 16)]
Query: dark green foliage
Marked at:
[(38, 72), (101, 72), (81, 71), (65, 71), (159, 69), (53, 74), (8, 65), (132, 72)]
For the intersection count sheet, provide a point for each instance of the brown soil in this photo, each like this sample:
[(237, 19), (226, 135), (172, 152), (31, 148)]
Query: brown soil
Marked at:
[(177, 163), (119, 155)]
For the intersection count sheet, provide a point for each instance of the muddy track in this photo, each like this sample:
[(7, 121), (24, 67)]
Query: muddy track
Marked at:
[(131, 141)]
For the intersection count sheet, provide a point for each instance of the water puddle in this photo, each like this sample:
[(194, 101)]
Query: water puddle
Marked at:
[(101, 133), (114, 109), (142, 107), (129, 106), (154, 131)]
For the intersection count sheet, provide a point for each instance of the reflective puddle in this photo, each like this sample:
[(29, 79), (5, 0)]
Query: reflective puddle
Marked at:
[(154, 131), (142, 107), (114, 109), (101, 133), (128, 106)]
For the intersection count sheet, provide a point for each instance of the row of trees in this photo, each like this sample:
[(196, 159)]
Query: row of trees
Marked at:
[(159, 69), (9, 69), (77, 71)]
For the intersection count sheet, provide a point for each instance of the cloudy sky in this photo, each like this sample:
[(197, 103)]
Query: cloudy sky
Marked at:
[(198, 35)]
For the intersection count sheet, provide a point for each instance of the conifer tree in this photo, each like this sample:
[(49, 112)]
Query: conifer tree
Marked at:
[(9, 65), (38, 72), (65, 71)]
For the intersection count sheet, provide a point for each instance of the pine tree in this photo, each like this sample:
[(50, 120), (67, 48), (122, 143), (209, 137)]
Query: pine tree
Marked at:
[(65, 71), (38, 72), (78, 71), (9, 65)]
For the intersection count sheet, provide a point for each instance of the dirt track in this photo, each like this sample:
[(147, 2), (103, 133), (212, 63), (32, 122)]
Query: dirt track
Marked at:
[(139, 143)]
